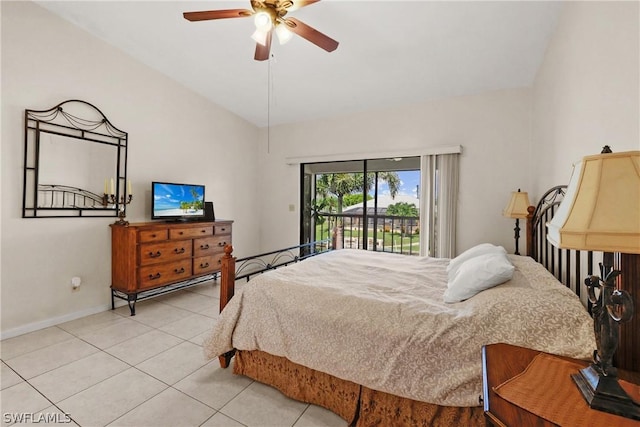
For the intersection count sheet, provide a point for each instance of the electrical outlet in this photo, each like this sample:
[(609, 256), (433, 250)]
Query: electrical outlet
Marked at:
[(75, 283), (292, 207)]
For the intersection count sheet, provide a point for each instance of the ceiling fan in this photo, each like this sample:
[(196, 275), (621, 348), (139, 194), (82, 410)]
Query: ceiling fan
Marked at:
[(269, 16)]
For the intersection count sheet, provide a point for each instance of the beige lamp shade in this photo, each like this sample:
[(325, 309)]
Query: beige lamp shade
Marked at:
[(518, 204), (601, 209)]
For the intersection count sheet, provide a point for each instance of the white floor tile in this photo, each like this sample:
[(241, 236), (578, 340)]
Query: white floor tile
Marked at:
[(20, 399), (75, 377), (221, 420), (8, 377), (212, 311), (189, 326), (88, 324), (174, 364), (155, 313), (315, 416), (142, 347), (115, 334), (108, 400), (210, 289), (213, 385), (264, 406), (26, 343), (50, 416), (191, 301), (84, 367), (199, 339), (170, 408), (45, 359)]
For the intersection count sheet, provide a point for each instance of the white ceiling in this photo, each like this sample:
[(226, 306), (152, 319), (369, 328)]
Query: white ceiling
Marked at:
[(391, 53)]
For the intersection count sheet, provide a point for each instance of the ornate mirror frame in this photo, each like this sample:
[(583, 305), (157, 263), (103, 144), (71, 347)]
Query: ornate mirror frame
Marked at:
[(72, 152)]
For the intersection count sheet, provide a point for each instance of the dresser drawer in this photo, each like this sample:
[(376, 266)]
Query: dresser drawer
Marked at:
[(147, 236), (207, 264), (210, 245), (222, 229), (189, 232), (161, 274), (153, 253)]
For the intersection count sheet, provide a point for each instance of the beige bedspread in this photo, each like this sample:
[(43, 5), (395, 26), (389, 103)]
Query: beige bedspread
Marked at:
[(379, 320)]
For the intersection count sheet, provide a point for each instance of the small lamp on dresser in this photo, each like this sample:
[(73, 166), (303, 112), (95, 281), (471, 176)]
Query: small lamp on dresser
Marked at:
[(517, 208), (601, 212)]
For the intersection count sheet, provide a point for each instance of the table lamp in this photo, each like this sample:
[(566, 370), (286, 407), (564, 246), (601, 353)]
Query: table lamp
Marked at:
[(517, 208), (601, 212)]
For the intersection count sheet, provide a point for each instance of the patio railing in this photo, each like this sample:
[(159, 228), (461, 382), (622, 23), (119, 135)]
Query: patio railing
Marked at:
[(384, 233)]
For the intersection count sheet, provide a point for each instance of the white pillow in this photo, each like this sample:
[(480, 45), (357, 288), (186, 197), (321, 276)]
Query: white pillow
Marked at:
[(477, 274), (481, 249)]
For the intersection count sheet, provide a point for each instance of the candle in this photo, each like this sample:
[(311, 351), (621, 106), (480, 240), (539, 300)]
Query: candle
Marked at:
[(112, 187), (130, 192), (106, 188)]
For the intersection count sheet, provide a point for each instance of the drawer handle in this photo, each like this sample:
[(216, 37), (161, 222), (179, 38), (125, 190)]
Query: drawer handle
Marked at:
[(223, 229), (181, 233), (154, 276), (222, 244), (205, 265), (155, 255), (153, 236), (203, 230), (219, 261), (204, 247), (179, 251), (179, 271)]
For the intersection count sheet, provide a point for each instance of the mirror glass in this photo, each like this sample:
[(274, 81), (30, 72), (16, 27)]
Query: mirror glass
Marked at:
[(74, 156)]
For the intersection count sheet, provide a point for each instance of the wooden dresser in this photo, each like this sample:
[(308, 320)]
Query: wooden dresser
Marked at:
[(152, 258)]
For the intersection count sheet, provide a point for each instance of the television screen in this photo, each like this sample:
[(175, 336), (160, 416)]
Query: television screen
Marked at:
[(176, 201)]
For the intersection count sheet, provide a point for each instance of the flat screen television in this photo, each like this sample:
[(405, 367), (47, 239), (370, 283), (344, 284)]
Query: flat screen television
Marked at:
[(177, 202)]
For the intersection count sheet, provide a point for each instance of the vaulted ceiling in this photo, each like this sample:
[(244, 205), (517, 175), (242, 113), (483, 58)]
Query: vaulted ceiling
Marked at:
[(391, 53)]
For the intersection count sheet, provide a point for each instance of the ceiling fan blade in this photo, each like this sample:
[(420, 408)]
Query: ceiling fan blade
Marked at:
[(217, 14), (297, 4), (311, 34), (262, 52)]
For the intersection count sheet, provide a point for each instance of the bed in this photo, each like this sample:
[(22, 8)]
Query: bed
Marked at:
[(368, 335)]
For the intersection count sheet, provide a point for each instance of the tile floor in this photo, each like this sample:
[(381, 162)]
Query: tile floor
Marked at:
[(112, 369)]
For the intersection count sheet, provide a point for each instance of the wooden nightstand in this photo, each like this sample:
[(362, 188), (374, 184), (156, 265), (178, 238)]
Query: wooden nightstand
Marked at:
[(501, 362)]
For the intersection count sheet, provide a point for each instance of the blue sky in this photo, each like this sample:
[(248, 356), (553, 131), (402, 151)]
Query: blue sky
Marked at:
[(409, 180)]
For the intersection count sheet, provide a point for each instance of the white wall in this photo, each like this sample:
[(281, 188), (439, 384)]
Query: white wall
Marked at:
[(174, 135), (585, 96), (586, 93), (493, 129)]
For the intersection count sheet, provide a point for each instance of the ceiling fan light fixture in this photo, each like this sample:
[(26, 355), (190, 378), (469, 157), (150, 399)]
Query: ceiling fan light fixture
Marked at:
[(269, 17), (283, 33), (263, 21), (260, 36)]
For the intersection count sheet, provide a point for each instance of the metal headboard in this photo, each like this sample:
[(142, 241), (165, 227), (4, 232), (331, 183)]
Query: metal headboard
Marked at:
[(569, 266)]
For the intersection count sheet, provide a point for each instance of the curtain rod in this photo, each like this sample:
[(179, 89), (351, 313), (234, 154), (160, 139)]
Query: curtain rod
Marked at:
[(423, 151)]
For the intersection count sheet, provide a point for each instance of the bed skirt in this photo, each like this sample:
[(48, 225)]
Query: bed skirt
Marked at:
[(358, 405)]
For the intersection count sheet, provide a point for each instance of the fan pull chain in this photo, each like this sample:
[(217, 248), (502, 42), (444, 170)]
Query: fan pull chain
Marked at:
[(269, 88)]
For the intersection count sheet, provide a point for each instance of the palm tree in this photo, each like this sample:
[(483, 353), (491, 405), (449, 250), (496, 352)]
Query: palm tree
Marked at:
[(403, 209), (393, 182), (341, 184)]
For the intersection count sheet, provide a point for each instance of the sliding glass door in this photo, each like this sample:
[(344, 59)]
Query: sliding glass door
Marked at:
[(370, 204)]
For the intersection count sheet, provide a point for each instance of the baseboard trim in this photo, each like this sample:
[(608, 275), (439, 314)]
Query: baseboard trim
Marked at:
[(35, 326)]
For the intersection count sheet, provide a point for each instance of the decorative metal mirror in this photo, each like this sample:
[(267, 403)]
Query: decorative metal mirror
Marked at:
[(75, 163)]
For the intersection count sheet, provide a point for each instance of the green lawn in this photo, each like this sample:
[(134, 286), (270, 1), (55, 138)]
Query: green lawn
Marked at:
[(392, 241)]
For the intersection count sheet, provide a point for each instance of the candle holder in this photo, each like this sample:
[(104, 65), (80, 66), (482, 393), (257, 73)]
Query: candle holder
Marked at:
[(110, 199)]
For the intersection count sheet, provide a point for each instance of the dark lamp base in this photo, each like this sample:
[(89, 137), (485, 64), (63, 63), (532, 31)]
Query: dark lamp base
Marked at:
[(605, 394)]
